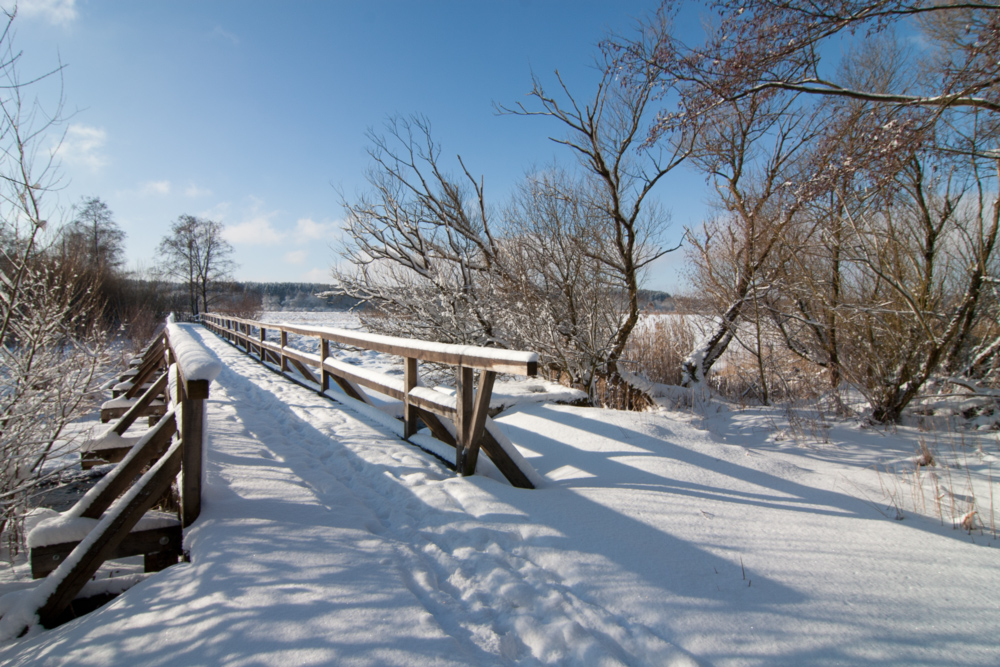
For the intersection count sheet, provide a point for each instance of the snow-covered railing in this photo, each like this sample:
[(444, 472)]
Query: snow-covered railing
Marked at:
[(466, 409), (113, 519), (196, 368), (125, 392)]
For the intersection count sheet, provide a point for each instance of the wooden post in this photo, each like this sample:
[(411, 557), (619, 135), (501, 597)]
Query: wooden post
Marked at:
[(478, 422), (192, 415), (464, 463), (324, 375), (409, 410), (284, 342)]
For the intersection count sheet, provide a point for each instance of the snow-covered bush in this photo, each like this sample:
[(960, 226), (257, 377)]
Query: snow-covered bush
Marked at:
[(50, 345)]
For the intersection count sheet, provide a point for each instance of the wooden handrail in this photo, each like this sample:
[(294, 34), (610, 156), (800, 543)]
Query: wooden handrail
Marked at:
[(467, 409), (119, 502), (468, 356)]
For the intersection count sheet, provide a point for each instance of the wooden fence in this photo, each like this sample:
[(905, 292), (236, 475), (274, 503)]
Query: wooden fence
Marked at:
[(467, 410), (119, 505)]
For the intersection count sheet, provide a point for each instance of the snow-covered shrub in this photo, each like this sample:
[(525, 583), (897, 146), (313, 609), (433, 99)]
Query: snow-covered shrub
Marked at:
[(659, 345), (50, 345)]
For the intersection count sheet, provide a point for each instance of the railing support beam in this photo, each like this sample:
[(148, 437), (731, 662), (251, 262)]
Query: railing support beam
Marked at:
[(409, 410)]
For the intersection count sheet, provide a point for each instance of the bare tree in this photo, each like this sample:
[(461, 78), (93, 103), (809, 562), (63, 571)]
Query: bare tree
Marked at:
[(440, 264), (928, 260), (753, 152), (421, 245), (196, 253), (760, 46), (560, 272), (605, 133), (881, 270), (565, 302)]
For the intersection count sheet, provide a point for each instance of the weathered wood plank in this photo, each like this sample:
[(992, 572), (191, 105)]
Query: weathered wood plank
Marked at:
[(151, 410), (352, 390), (324, 374), (503, 462), (301, 368), (479, 413), (437, 428), (195, 389), (145, 373), (284, 343), (192, 418)]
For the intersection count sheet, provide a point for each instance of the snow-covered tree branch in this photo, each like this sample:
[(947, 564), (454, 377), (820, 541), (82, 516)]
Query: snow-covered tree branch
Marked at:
[(51, 347)]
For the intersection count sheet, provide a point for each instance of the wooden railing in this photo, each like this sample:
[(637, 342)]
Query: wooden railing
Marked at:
[(118, 503), (467, 410)]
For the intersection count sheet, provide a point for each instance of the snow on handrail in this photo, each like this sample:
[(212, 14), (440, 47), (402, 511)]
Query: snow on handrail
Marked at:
[(469, 356), (195, 362), (467, 409)]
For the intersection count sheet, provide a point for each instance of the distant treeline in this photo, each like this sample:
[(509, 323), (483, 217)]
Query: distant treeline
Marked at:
[(237, 295), (291, 296), (654, 300)]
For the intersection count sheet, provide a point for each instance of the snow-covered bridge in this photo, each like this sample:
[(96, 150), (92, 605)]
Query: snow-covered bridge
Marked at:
[(656, 538)]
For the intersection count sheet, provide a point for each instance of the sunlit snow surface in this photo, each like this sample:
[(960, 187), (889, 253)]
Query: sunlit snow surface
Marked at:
[(730, 538)]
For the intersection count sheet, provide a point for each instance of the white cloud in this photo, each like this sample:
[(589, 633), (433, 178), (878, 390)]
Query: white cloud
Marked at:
[(196, 191), (307, 229), (217, 212), (296, 256), (56, 12), (82, 146), (256, 231), (154, 189), (316, 276), (222, 34)]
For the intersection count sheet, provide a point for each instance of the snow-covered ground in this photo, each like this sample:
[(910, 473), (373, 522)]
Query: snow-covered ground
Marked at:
[(714, 537)]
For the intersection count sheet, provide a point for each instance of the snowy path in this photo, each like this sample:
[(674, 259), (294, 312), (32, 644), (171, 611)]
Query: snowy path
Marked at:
[(324, 540)]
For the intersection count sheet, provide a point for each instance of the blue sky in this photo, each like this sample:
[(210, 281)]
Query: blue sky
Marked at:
[(255, 113)]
